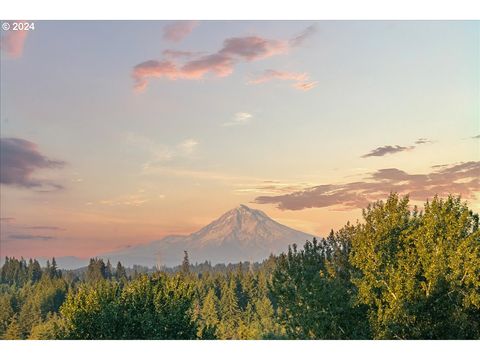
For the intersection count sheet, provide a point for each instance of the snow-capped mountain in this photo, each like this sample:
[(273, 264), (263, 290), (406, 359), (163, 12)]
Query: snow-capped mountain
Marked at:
[(241, 234)]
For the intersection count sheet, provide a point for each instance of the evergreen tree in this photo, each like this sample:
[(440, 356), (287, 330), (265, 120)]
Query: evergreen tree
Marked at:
[(108, 270), (34, 271), (121, 273), (96, 270), (265, 314), (209, 315), (6, 313), (14, 331), (229, 310), (185, 263)]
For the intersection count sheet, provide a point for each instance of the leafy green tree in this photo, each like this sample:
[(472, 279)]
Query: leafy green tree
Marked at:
[(313, 301), (419, 274)]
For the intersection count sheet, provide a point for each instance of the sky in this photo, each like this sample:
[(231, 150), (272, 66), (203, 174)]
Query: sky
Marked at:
[(117, 133)]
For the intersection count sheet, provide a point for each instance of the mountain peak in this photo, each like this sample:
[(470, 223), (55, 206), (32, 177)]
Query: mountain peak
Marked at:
[(239, 216), (242, 225), (240, 234), (243, 208)]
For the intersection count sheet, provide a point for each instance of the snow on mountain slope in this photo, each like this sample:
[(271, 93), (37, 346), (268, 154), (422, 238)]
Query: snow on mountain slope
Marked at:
[(241, 234)]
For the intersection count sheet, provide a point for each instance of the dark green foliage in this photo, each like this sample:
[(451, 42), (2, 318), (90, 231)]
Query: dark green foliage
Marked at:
[(314, 295)]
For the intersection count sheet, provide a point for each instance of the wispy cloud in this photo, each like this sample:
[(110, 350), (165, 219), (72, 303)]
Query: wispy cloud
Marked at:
[(176, 54), (12, 42), (387, 149), (188, 146), (20, 159), (178, 30), (240, 118), (271, 187), (299, 81), (159, 153), (7, 220), (219, 64), (134, 200), (30, 237), (476, 137), (155, 150), (421, 141), (50, 228), (162, 169), (304, 35), (462, 178), (305, 86)]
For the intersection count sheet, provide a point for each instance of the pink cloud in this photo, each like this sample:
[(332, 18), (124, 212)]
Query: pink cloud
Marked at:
[(217, 64), (178, 30), (153, 68), (253, 47), (12, 43), (220, 63), (300, 80), (175, 54)]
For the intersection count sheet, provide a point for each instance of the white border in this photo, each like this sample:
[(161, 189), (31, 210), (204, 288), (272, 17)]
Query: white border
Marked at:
[(239, 9), (241, 350)]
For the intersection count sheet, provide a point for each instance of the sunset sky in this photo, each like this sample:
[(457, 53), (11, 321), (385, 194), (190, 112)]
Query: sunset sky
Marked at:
[(119, 133)]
